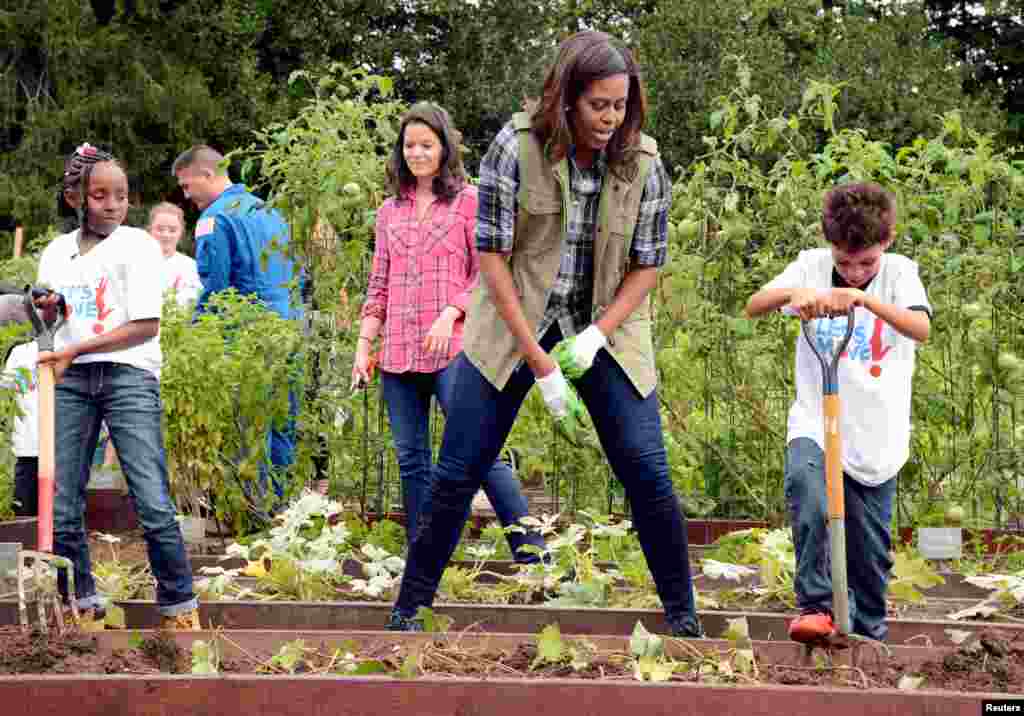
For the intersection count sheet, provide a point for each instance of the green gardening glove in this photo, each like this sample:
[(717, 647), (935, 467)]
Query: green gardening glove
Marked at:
[(576, 355)]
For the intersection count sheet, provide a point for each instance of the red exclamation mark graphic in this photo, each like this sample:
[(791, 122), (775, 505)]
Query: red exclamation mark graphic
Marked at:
[(878, 352), (101, 306)]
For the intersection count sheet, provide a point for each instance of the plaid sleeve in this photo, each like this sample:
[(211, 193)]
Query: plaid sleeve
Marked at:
[(497, 204), (650, 238)]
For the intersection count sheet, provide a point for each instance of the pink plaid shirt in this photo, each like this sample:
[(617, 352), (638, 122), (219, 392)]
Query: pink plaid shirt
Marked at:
[(418, 269)]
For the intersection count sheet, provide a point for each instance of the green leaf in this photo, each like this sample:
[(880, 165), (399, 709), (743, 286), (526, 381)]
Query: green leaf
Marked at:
[(410, 666), (204, 657), (135, 640), (433, 623), (550, 647), (737, 631), (715, 119), (290, 655), (115, 617), (372, 666), (744, 662), (581, 655), (643, 643), (650, 668)]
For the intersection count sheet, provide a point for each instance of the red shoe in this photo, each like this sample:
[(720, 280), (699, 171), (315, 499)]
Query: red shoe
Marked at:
[(812, 627)]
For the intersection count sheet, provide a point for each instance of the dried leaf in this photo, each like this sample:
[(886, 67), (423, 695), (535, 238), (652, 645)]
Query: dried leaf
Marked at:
[(981, 610), (909, 683), (958, 636)]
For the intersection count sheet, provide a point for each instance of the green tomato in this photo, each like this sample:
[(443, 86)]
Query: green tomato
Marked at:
[(1009, 362), (351, 189), (972, 311), (688, 229)]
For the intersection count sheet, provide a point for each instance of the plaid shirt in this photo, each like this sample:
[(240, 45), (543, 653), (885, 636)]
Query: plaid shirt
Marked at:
[(418, 270), (569, 304)]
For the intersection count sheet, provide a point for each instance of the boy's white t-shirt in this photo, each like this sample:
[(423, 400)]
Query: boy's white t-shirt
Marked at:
[(182, 276), (875, 373), (22, 373), (120, 280)]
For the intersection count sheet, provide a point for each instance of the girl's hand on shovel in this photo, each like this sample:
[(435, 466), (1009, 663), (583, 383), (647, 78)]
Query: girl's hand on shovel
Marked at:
[(60, 360), (48, 305)]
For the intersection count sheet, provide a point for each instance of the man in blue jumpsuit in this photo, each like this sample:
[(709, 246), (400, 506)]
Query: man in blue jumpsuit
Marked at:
[(240, 245)]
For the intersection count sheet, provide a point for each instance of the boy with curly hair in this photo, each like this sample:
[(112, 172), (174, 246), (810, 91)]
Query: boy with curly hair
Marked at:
[(892, 315)]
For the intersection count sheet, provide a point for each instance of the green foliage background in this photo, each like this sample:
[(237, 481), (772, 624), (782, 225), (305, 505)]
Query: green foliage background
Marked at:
[(757, 106)]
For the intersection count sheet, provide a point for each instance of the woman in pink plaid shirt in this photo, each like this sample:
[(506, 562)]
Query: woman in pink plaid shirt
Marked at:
[(425, 266)]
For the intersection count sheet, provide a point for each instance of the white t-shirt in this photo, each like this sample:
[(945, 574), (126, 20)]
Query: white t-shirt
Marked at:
[(875, 373), (22, 373), (181, 276), (120, 280)]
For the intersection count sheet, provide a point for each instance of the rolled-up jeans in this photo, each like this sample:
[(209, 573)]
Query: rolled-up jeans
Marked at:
[(868, 539), (128, 400), (629, 428)]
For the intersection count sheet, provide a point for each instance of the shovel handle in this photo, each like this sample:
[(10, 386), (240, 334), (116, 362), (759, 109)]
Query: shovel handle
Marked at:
[(833, 459), (47, 461)]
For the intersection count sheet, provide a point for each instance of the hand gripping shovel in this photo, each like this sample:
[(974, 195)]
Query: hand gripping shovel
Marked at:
[(828, 356), (35, 567)]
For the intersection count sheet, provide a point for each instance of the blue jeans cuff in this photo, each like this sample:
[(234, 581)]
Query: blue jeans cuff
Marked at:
[(95, 600), (174, 610)]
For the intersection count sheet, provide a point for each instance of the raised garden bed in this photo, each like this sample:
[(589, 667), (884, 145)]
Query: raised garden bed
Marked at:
[(21, 529), (109, 510), (371, 616), (469, 674)]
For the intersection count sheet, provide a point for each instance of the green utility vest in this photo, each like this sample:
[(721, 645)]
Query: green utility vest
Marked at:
[(544, 196)]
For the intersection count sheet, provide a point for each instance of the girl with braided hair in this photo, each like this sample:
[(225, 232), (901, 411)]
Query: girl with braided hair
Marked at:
[(70, 206), (107, 365)]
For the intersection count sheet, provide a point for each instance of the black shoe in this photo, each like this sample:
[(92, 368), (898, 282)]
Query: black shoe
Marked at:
[(400, 623), (686, 628)]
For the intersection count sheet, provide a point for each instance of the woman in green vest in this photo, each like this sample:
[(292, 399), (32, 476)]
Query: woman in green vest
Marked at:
[(571, 229)]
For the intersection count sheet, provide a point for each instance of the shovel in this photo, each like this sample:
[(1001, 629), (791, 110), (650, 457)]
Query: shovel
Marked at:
[(36, 566), (828, 356)]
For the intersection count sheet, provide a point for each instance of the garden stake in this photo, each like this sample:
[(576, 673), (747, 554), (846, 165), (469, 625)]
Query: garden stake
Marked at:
[(829, 357), (35, 565)]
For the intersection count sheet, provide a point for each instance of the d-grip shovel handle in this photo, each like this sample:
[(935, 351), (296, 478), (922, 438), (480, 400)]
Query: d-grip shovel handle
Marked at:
[(834, 465), (830, 408), (45, 334)]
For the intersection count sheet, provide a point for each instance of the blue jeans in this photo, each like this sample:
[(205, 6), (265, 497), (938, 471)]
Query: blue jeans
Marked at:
[(868, 539), (408, 398), (128, 400), (280, 452), (629, 428)]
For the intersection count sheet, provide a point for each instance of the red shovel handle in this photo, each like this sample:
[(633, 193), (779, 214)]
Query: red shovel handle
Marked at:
[(47, 462)]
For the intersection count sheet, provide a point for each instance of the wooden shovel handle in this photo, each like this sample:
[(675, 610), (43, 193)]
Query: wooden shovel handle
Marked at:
[(47, 461), (833, 459)]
